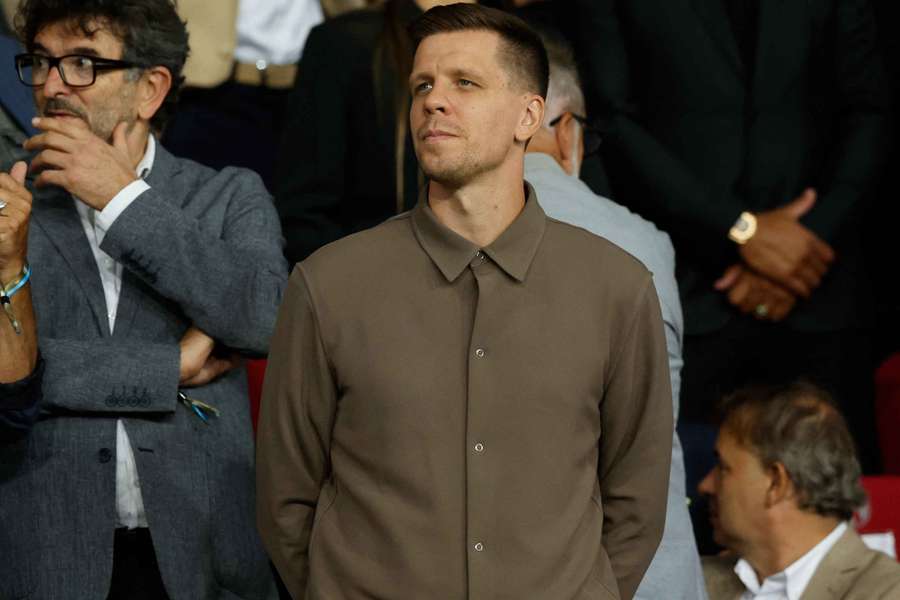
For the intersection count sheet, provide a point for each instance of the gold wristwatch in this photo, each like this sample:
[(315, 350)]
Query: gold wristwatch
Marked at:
[(743, 229)]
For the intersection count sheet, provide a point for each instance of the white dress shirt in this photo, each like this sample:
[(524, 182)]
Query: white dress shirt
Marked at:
[(129, 503), (790, 583), (274, 31)]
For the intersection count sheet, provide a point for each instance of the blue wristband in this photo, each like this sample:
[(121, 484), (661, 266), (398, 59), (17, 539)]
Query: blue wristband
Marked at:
[(26, 275)]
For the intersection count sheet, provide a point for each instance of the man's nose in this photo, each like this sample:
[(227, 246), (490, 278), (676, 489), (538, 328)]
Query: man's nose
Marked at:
[(436, 100), (54, 84), (706, 487)]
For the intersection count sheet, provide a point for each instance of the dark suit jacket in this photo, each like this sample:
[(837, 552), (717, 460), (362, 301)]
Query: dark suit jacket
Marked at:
[(850, 571), (694, 139), (200, 247), (336, 170)]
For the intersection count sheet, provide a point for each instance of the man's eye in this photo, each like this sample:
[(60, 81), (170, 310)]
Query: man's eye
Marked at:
[(421, 87), (466, 83), (82, 62)]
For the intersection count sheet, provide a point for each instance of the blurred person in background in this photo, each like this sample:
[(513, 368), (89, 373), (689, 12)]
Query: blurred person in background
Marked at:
[(346, 161), (242, 66), (783, 491), (553, 160), (754, 134)]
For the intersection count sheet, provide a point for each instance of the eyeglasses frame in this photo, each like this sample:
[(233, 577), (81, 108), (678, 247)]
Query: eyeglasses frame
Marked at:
[(99, 64)]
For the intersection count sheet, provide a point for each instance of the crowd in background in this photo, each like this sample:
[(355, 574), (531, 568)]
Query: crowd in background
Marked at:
[(793, 123)]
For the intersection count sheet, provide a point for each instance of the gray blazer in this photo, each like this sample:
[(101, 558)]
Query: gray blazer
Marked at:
[(850, 571), (201, 247), (675, 571)]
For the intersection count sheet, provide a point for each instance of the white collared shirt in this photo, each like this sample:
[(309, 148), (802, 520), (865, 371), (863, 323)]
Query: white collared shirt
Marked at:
[(790, 583), (129, 503), (274, 31)]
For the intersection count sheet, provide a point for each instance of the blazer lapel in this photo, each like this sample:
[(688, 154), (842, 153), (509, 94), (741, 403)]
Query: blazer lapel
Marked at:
[(837, 571), (782, 47), (57, 216), (712, 14)]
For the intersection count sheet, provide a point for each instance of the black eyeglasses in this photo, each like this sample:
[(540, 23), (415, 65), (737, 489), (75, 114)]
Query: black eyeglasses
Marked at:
[(592, 137), (76, 70)]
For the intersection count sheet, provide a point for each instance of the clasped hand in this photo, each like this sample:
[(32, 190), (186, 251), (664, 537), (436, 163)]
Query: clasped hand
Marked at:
[(72, 157), (782, 262)]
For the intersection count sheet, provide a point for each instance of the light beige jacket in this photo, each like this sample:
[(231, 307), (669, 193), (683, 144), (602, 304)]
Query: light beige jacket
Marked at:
[(850, 571)]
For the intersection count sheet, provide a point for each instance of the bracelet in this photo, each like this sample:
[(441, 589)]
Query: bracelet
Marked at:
[(16, 285)]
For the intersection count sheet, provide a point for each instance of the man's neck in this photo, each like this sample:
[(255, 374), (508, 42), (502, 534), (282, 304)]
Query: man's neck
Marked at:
[(478, 211), (788, 543)]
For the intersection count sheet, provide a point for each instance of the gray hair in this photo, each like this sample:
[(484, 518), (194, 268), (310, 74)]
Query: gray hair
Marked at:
[(799, 426), (564, 93)]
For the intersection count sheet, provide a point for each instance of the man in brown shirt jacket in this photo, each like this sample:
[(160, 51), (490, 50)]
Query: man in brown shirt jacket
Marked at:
[(470, 400)]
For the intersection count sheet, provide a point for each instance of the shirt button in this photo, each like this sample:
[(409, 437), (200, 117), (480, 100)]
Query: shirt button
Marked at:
[(105, 455), (479, 254), (479, 447), (479, 353), (479, 547)]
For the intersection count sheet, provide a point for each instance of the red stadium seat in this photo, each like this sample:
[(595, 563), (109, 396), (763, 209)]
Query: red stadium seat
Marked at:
[(883, 511), (887, 410), (256, 372)]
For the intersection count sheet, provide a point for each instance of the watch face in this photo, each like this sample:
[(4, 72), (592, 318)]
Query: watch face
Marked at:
[(742, 225)]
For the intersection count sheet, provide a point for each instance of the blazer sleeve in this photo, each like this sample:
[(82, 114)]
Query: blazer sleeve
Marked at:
[(309, 188), (228, 283), (633, 467), (671, 193), (109, 375), (20, 404), (863, 109), (296, 419)]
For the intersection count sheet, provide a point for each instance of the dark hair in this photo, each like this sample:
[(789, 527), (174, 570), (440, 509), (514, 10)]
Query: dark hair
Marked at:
[(151, 31), (799, 426), (522, 50)]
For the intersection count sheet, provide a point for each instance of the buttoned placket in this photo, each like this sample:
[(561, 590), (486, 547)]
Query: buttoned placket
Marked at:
[(479, 483)]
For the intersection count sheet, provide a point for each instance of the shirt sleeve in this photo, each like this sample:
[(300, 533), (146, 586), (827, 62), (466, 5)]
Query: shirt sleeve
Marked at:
[(296, 418), (635, 452), (20, 402), (121, 201)]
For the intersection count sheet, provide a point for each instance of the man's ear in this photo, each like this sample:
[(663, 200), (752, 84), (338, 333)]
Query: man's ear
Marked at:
[(781, 488), (531, 120), (153, 87)]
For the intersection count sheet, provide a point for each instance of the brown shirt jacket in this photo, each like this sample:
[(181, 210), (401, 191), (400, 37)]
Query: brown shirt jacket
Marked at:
[(443, 422)]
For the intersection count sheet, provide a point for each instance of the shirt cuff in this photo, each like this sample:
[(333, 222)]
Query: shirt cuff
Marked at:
[(22, 394), (128, 194)]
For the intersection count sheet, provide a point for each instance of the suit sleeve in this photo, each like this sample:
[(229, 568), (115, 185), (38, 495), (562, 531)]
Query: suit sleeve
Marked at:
[(310, 185), (228, 283), (109, 375), (19, 404), (863, 112), (296, 418), (633, 464)]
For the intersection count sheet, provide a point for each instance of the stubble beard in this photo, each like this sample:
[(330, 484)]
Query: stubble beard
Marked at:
[(104, 119)]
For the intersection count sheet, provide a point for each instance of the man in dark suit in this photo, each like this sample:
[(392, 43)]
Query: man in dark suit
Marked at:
[(752, 131), (149, 273)]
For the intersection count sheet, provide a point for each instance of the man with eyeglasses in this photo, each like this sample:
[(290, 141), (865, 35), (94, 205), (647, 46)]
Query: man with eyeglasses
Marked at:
[(552, 163), (150, 275)]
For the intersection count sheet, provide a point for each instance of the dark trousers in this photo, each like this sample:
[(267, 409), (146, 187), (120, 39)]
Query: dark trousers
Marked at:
[(749, 352), (135, 570), (229, 125)]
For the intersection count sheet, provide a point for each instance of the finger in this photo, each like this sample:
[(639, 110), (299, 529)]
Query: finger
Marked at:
[(120, 138), (737, 293), (814, 262), (74, 128), (809, 277), (796, 285), (55, 140), (822, 250), (728, 278), (50, 177), (802, 204), (18, 172), (50, 159)]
